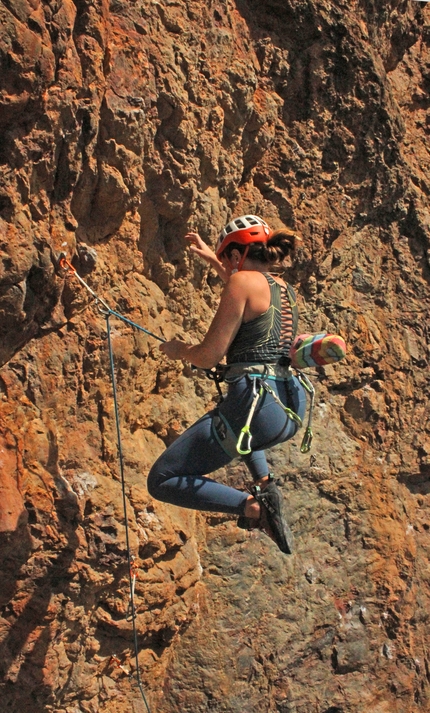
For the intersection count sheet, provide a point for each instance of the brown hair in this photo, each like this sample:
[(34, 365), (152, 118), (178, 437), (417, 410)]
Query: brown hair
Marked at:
[(280, 244)]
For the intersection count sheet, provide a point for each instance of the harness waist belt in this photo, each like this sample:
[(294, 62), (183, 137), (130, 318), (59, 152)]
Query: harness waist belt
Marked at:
[(233, 372)]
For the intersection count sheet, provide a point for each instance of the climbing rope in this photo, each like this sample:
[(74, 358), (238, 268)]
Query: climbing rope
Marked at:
[(103, 307), (131, 563), (132, 566)]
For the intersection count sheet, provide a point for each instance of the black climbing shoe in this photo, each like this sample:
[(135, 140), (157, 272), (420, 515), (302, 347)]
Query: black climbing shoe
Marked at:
[(245, 523), (272, 519)]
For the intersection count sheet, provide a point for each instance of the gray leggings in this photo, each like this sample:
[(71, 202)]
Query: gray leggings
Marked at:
[(177, 477)]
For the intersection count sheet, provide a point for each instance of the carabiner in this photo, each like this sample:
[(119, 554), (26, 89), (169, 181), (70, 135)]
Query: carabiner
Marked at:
[(246, 430), (307, 440), (245, 433)]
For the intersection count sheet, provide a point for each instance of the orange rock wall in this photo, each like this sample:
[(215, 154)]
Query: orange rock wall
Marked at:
[(124, 125)]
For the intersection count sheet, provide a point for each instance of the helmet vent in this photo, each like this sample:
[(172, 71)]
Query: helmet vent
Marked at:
[(239, 224)]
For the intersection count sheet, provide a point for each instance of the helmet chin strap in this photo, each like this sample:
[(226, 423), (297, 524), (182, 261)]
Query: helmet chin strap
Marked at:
[(243, 258), (232, 269), (241, 261)]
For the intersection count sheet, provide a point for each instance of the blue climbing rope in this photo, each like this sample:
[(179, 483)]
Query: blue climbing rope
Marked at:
[(136, 326), (124, 502), (107, 312)]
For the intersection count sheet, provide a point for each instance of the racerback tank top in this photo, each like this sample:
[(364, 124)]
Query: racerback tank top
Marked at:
[(268, 338)]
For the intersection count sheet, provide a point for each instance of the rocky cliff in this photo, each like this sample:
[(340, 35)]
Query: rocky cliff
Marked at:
[(123, 125)]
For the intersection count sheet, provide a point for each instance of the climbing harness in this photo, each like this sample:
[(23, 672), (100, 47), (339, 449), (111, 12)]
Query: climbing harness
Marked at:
[(259, 374), (132, 566), (245, 433), (216, 374)]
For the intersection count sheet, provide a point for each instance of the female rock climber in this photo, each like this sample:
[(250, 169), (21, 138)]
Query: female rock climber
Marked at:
[(253, 329)]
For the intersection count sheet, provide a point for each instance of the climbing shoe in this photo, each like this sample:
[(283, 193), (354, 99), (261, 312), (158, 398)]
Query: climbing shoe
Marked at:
[(245, 523), (272, 519)]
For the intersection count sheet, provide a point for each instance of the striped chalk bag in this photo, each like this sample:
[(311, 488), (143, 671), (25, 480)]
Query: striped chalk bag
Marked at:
[(316, 350)]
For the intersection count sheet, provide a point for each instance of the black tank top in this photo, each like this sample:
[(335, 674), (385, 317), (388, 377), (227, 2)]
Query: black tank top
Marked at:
[(268, 338)]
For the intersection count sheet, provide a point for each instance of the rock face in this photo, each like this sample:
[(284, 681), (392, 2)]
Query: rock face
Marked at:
[(123, 125)]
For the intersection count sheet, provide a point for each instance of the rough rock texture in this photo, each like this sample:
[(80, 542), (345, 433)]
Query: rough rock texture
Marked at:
[(122, 126)]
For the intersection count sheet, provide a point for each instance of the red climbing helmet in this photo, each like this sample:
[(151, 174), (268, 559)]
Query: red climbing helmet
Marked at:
[(243, 230)]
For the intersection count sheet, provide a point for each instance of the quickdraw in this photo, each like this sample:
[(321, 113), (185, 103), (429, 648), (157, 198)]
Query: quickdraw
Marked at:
[(102, 305), (246, 430), (308, 435), (115, 661)]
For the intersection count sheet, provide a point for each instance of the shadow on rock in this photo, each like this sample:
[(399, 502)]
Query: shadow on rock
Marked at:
[(23, 651)]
